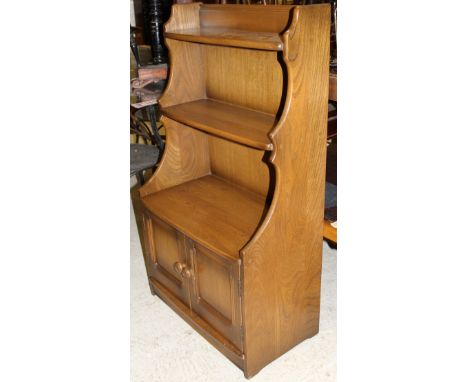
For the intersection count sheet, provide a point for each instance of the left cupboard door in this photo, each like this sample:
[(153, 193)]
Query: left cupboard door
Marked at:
[(166, 258)]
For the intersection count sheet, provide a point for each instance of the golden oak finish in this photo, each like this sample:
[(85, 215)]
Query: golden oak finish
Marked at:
[(292, 266), (211, 211), (215, 294), (248, 18), (199, 324), (237, 124), (164, 253), (225, 66), (183, 17), (229, 37), (186, 157), (234, 213), (241, 165)]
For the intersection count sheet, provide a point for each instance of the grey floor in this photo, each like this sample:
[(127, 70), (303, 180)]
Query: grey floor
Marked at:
[(164, 348)]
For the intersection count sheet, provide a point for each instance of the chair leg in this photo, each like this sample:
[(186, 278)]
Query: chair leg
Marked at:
[(152, 115), (134, 48)]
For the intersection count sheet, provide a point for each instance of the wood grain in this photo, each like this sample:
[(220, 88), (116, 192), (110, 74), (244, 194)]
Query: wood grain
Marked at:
[(257, 18), (165, 248), (215, 294), (186, 157), (250, 220), (187, 70), (241, 165), (226, 66), (231, 122), (229, 37), (282, 277), (220, 216), (199, 324), (184, 16)]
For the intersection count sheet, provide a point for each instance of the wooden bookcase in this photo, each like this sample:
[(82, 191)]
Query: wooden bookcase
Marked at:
[(233, 216)]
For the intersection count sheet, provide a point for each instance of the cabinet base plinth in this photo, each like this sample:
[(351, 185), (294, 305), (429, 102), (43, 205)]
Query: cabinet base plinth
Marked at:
[(200, 325)]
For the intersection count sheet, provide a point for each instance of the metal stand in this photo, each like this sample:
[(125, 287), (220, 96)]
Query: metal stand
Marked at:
[(134, 47)]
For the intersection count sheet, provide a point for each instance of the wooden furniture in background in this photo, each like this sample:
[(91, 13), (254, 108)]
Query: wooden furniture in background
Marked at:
[(233, 216), (332, 87), (150, 72), (329, 232)]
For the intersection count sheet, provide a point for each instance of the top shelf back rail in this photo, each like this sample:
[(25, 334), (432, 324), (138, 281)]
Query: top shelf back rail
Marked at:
[(240, 26)]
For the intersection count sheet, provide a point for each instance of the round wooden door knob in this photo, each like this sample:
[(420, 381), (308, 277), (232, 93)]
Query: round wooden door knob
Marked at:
[(186, 273), (178, 267)]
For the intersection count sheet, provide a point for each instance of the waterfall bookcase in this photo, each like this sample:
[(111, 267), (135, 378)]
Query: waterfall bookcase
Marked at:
[(233, 216)]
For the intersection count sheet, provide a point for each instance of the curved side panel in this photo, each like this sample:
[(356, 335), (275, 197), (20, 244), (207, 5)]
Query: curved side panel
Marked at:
[(186, 153), (183, 16), (282, 262), (186, 80), (186, 74), (186, 157)]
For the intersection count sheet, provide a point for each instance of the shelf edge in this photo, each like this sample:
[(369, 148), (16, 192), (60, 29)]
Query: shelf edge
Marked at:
[(228, 42), (216, 132)]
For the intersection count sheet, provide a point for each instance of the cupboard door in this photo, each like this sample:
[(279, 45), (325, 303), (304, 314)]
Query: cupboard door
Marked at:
[(215, 292), (166, 258)]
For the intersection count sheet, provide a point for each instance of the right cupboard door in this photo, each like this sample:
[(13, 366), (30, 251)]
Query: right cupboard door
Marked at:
[(215, 295)]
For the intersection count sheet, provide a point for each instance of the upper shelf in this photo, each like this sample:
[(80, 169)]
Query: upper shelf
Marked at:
[(224, 120), (229, 37)]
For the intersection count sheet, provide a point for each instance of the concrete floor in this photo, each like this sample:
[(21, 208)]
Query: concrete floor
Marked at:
[(164, 348)]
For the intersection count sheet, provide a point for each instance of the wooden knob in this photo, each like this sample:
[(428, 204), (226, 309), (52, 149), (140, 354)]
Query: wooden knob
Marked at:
[(186, 273), (178, 267)]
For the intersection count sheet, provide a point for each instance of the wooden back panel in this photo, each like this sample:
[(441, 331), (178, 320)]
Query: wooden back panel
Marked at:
[(226, 71), (246, 17), (241, 165)]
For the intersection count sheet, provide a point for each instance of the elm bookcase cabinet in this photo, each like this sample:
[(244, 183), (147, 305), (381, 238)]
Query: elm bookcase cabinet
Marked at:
[(233, 216)]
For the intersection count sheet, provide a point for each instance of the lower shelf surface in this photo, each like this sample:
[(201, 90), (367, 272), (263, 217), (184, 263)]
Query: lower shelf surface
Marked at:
[(213, 212)]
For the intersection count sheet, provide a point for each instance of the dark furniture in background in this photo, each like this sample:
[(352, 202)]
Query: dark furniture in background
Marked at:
[(144, 156), (155, 14), (144, 98)]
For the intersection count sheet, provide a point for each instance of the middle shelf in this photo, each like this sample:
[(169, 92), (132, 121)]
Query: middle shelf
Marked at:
[(211, 211), (237, 124)]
